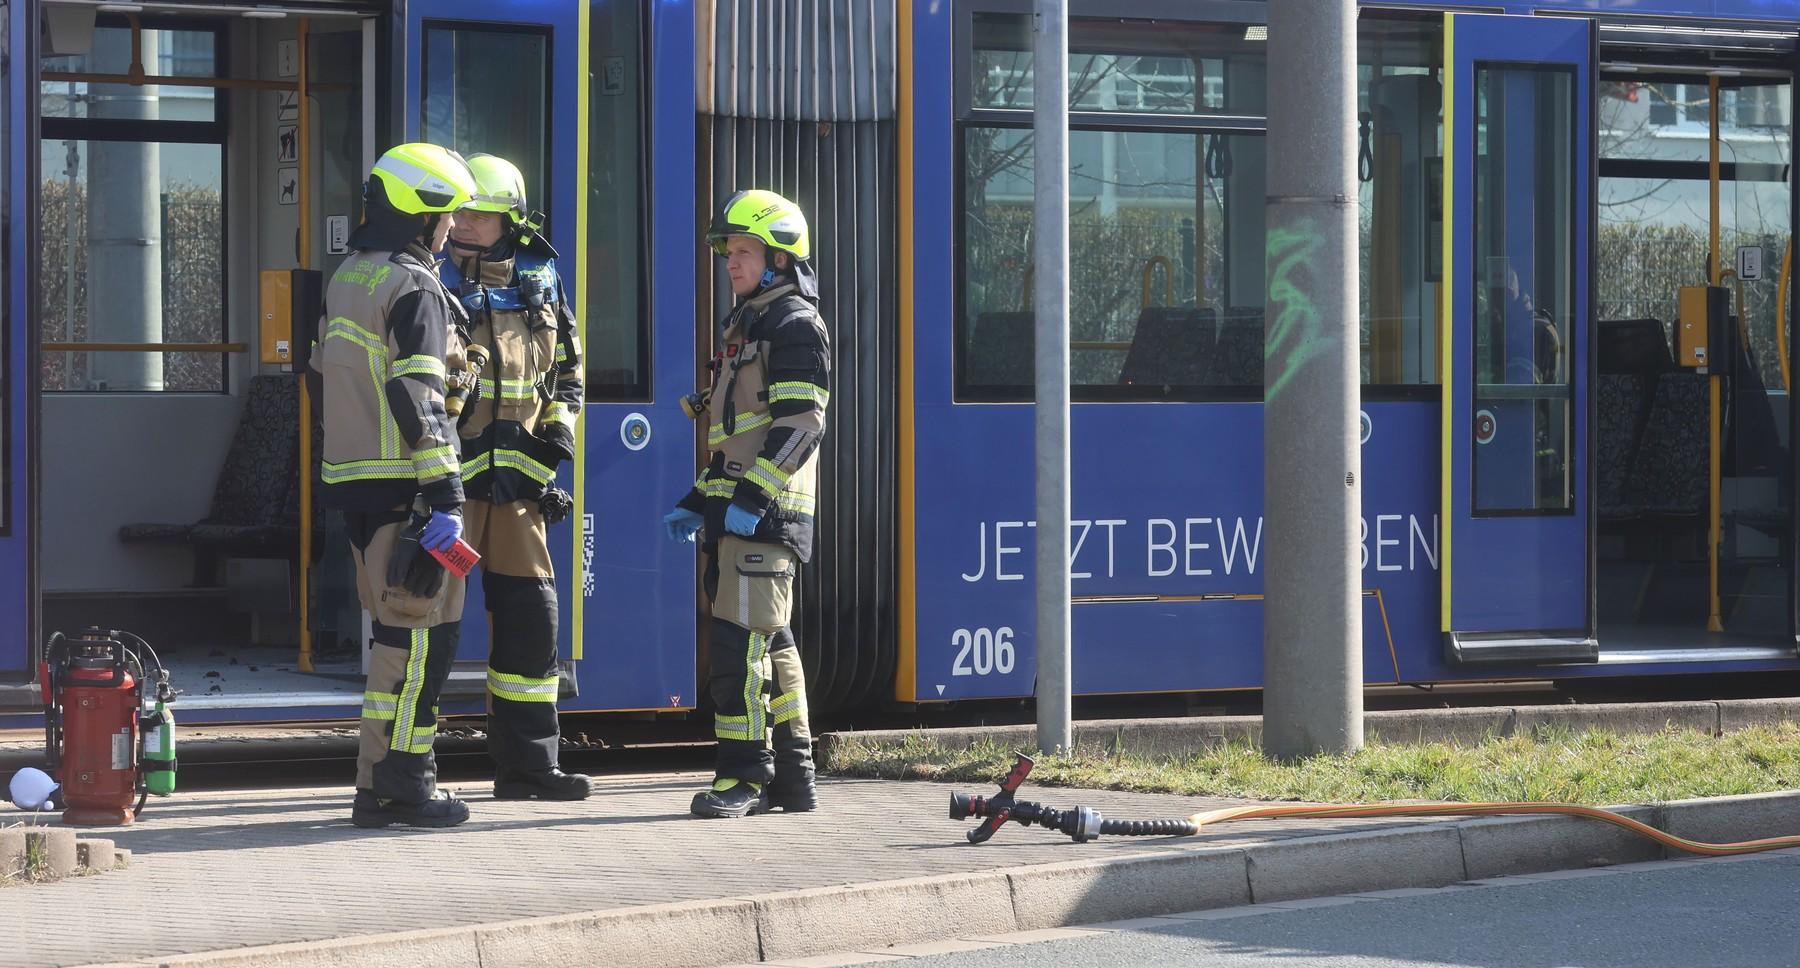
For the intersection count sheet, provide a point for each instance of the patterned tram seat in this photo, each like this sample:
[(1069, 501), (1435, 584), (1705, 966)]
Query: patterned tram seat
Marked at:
[(1634, 354), (255, 510), (1172, 347)]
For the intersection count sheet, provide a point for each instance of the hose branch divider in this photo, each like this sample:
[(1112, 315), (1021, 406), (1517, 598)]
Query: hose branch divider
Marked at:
[(1083, 824)]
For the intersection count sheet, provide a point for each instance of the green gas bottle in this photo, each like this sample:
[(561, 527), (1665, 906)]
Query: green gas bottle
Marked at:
[(159, 750)]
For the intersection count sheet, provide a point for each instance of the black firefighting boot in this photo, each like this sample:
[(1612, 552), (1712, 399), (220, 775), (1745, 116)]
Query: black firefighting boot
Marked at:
[(551, 784), (730, 798), (793, 792), (442, 810), (792, 789)]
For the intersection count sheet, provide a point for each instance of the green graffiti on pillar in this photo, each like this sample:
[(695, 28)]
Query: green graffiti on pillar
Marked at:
[(1296, 334)]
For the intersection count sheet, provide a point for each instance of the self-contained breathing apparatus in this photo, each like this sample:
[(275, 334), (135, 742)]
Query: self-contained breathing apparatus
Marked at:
[(106, 740)]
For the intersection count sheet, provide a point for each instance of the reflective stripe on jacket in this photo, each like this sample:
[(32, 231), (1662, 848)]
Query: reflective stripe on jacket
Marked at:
[(388, 335), (765, 419)]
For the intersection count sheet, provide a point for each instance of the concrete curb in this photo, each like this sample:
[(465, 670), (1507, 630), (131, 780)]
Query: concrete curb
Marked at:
[(62, 853), (1195, 734), (881, 915)]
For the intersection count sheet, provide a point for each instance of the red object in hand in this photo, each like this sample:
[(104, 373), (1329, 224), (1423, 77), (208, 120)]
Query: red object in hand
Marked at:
[(459, 558)]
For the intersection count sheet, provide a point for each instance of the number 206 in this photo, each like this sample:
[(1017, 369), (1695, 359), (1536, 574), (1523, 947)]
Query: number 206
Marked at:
[(990, 650)]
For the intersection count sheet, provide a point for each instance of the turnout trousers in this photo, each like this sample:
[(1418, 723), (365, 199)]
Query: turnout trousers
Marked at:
[(520, 588), (756, 681), (415, 644)]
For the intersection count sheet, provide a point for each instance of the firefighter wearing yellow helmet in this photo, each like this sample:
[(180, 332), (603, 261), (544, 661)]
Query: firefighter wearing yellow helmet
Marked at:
[(389, 335), (757, 503), (514, 435)]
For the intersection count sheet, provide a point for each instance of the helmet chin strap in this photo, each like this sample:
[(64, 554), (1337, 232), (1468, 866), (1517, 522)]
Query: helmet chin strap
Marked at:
[(492, 252), (769, 274)]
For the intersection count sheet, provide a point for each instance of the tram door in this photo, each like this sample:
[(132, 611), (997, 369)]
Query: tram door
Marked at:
[(558, 87), (18, 597), (1517, 515)]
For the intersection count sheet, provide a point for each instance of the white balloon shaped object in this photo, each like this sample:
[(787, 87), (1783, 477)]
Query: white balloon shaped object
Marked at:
[(31, 788)]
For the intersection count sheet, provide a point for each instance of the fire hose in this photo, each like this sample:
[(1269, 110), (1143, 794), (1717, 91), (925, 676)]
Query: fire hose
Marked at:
[(1083, 824)]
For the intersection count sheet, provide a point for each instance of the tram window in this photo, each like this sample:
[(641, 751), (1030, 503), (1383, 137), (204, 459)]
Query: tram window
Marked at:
[(1400, 187), (166, 53), (485, 91), (120, 164), (1654, 207), (1166, 269), (1524, 287), (1166, 210), (1149, 67), (617, 341)]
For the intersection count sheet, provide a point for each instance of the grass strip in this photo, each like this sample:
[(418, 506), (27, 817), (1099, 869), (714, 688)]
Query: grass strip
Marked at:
[(1550, 763)]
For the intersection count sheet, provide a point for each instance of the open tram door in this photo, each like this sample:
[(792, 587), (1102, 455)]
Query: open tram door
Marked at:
[(1692, 451), (1517, 516), (18, 579), (559, 88)]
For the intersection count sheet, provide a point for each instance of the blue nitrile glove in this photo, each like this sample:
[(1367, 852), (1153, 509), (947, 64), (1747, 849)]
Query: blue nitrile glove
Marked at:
[(682, 524), (441, 531), (741, 522)]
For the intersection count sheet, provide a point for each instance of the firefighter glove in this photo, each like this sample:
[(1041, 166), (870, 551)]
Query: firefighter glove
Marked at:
[(555, 505), (682, 524), (740, 521), (409, 566), (442, 530)]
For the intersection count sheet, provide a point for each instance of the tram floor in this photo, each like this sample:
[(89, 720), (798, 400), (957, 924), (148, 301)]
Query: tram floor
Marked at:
[(220, 672)]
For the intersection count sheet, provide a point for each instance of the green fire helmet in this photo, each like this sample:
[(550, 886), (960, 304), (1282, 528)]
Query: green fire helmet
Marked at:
[(420, 179), (499, 187), (763, 215)]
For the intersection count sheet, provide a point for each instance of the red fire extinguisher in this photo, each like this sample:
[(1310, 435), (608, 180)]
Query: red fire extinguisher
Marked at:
[(93, 707)]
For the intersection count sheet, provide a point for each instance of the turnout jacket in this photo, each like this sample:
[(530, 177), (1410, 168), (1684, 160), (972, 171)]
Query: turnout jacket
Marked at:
[(522, 422), (771, 383), (388, 333)]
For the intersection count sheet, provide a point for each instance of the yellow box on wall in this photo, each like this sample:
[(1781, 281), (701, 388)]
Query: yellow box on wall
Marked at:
[(276, 309), (1693, 329)]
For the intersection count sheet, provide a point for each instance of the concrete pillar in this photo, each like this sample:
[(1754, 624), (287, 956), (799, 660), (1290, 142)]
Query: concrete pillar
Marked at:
[(124, 265), (1312, 618)]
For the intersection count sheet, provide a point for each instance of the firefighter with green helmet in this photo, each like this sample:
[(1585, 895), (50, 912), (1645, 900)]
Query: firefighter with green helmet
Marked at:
[(517, 429), (756, 503), (390, 335)]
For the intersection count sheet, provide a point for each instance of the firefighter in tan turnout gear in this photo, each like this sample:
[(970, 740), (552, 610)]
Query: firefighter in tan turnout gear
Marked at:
[(517, 429), (765, 415), (389, 336)]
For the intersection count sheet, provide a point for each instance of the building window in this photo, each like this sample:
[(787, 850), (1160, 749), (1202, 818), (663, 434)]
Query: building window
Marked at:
[(132, 203), (1166, 211)]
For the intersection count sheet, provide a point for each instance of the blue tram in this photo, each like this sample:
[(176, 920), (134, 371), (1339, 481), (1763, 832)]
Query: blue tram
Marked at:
[(1575, 305)]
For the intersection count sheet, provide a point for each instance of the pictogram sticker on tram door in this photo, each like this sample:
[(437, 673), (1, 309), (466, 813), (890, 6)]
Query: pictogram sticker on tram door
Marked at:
[(1485, 426)]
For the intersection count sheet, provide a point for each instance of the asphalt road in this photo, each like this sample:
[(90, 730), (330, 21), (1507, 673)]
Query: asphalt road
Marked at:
[(1668, 915)]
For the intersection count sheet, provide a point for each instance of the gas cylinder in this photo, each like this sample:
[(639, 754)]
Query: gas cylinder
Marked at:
[(159, 750), (95, 703)]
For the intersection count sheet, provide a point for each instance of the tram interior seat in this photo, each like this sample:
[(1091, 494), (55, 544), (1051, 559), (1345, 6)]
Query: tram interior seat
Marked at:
[(1668, 477), (1173, 346), (1634, 354), (1239, 358), (255, 510), (1001, 350)]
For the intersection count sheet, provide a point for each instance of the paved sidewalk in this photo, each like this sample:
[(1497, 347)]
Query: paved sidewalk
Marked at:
[(224, 870)]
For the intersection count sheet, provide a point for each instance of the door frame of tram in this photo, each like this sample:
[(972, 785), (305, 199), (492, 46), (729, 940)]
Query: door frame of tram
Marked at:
[(1719, 261), (1584, 645), (24, 143), (19, 533)]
